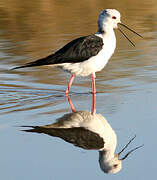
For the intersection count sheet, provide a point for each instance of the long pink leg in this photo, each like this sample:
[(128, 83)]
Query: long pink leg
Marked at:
[(93, 93), (69, 85), (71, 104)]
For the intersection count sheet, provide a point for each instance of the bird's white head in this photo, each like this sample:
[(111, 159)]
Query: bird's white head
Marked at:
[(108, 18), (112, 165)]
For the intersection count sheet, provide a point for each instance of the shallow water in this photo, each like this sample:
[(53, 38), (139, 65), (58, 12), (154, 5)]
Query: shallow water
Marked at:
[(126, 88)]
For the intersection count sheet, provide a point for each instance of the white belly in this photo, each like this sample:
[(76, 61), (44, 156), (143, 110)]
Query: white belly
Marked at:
[(95, 63)]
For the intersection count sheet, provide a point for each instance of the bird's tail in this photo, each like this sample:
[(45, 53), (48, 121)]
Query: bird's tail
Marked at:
[(35, 129), (24, 66), (44, 61)]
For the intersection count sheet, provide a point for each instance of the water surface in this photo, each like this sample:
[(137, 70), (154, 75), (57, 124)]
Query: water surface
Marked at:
[(126, 88)]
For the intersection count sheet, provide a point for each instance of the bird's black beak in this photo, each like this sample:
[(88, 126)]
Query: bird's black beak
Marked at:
[(129, 30), (130, 150)]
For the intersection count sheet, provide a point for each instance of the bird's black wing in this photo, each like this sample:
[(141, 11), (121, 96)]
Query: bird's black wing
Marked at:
[(77, 50), (79, 136)]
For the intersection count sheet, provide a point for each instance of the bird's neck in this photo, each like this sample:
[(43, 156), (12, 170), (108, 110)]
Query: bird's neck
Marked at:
[(109, 38), (105, 30), (106, 155)]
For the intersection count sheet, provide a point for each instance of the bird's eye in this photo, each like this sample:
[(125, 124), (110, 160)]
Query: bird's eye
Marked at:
[(115, 165), (114, 17)]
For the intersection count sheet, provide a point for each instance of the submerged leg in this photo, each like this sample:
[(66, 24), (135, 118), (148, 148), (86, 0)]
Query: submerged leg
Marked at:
[(93, 93), (70, 83)]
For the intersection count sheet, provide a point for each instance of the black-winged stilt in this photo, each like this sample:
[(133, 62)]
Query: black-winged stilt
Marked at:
[(88, 131), (88, 54)]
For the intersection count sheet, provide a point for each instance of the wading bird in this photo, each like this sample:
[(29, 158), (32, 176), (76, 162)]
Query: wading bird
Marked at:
[(87, 55)]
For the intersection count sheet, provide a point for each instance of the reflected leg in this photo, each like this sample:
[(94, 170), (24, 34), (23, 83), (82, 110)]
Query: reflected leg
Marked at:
[(71, 104), (93, 93)]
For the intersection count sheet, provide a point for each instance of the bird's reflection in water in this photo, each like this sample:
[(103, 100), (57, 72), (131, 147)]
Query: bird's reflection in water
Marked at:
[(88, 132)]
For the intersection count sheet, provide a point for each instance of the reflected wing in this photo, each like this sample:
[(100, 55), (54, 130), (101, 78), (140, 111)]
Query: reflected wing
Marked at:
[(77, 50), (80, 137)]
